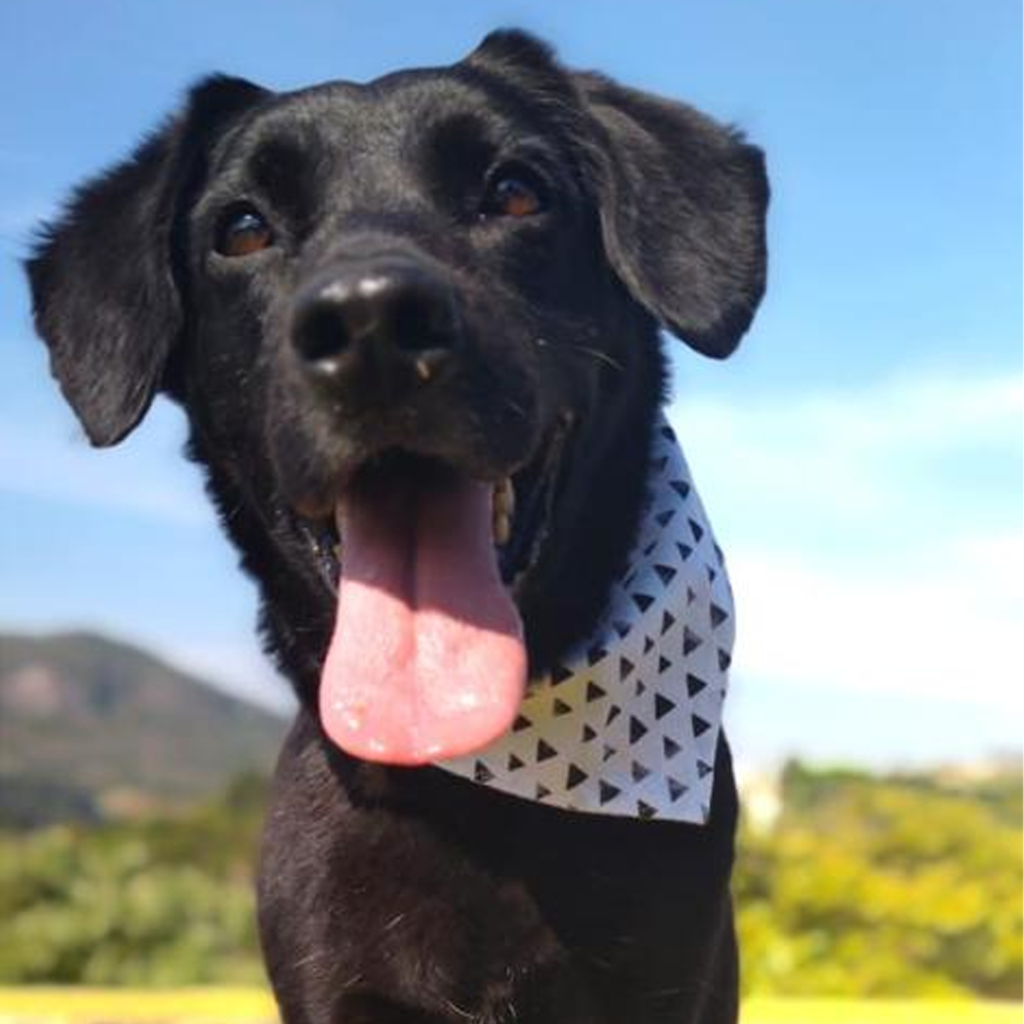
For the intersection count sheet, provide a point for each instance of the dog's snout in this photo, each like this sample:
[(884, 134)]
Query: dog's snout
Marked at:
[(393, 320)]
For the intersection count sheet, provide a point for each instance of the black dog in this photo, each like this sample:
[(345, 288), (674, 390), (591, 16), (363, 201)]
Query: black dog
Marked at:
[(377, 303)]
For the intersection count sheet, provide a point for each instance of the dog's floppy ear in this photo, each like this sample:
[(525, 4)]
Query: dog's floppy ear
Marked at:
[(104, 293), (682, 199), (683, 203)]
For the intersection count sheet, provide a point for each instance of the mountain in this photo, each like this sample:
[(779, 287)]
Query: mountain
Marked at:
[(91, 727)]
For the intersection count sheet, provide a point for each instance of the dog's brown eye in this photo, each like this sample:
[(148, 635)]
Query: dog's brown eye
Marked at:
[(512, 195), (243, 231)]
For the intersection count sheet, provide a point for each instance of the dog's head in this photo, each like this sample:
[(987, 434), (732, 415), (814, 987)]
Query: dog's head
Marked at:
[(420, 314)]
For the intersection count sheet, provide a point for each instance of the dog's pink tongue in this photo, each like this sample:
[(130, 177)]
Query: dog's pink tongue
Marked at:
[(427, 659)]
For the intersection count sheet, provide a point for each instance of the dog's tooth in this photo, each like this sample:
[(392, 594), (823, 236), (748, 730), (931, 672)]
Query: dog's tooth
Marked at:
[(504, 496), (502, 528), (502, 510), (423, 370)]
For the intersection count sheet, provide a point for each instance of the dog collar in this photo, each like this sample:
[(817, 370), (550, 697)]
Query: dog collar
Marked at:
[(629, 723)]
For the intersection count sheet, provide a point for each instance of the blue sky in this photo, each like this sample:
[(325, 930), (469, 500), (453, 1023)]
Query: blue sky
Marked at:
[(861, 456)]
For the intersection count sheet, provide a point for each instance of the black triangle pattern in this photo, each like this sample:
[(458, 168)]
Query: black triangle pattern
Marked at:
[(694, 685), (691, 641), (560, 673), (628, 723), (700, 726), (637, 730), (675, 788), (665, 573), (545, 751)]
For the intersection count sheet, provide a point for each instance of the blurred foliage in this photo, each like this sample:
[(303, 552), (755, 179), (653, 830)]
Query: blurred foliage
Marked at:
[(897, 886), (858, 886), (164, 901)]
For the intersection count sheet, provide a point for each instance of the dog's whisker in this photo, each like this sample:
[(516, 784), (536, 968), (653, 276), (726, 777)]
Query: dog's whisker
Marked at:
[(394, 922), (516, 408), (455, 1008), (317, 954), (696, 987), (595, 353)]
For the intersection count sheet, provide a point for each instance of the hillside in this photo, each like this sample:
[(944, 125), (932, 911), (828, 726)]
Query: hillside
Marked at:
[(89, 726)]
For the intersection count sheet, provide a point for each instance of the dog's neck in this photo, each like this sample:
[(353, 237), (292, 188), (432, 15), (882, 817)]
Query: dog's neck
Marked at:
[(628, 724)]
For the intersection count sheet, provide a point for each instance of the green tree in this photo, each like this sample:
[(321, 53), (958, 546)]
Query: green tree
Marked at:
[(897, 886)]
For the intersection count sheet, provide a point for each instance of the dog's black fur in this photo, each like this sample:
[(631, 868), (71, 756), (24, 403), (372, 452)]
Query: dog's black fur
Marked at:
[(410, 895)]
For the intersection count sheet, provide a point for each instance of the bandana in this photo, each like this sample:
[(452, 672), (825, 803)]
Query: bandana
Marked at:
[(628, 725)]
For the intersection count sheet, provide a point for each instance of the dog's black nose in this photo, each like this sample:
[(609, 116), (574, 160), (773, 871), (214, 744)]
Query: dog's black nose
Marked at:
[(389, 321)]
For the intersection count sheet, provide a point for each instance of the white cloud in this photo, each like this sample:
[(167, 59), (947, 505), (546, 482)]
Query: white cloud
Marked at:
[(950, 634), (860, 452), (864, 554)]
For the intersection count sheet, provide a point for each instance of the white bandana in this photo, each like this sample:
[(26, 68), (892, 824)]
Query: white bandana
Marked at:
[(629, 724)]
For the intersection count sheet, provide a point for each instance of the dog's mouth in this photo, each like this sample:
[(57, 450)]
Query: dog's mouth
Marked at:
[(427, 659)]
